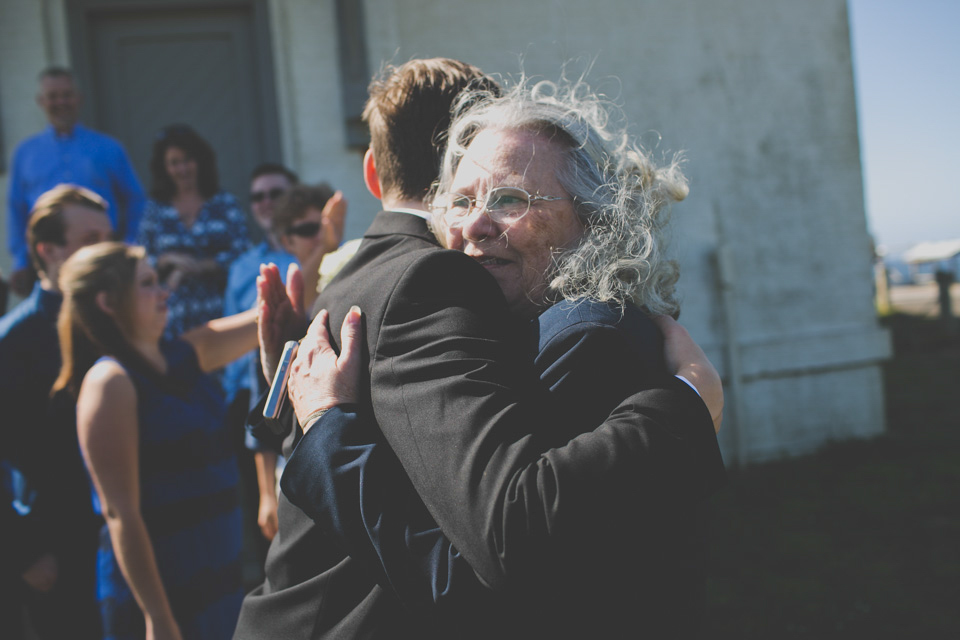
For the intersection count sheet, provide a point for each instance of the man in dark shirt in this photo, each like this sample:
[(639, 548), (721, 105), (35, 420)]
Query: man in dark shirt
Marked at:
[(44, 562)]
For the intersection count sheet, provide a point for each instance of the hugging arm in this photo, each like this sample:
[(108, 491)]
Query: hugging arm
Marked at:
[(355, 490), (352, 485), (349, 482), (496, 489), (491, 457)]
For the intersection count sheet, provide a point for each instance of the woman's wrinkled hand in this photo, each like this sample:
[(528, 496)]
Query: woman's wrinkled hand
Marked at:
[(319, 378), (685, 358)]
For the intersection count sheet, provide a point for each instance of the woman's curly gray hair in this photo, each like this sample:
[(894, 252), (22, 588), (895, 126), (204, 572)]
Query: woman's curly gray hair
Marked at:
[(621, 195)]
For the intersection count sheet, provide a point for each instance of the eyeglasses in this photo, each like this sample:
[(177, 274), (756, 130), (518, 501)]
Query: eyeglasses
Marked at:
[(257, 197), (304, 229), (503, 205)]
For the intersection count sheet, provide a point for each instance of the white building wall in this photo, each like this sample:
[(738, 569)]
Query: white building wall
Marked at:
[(22, 38), (758, 94), (310, 111)]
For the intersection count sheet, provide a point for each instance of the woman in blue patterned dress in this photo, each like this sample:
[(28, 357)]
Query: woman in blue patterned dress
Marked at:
[(151, 429), (191, 230)]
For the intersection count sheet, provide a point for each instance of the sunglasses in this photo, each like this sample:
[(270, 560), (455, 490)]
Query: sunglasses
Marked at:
[(259, 196), (304, 229)]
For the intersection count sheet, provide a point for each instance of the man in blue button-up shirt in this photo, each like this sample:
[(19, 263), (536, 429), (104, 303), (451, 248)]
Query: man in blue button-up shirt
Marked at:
[(268, 183), (67, 152)]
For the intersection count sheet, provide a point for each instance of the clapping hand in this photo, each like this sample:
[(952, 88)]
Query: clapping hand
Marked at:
[(280, 314), (333, 218)]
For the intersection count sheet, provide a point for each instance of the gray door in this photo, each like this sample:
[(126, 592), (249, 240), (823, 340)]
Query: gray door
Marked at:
[(203, 67)]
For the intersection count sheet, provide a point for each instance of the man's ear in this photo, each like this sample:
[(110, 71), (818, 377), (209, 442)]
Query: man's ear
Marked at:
[(370, 176), (49, 252), (103, 301)]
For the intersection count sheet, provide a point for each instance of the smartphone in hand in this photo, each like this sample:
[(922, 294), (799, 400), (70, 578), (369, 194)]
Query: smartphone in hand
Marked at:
[(278, 390)]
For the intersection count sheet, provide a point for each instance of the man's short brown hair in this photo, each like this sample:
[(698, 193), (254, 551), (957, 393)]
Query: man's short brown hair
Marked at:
[(408, 113), (46, 218)]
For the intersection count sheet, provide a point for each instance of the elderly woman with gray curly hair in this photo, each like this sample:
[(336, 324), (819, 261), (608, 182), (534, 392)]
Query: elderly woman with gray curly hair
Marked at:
[(598, 233), (567, 215)]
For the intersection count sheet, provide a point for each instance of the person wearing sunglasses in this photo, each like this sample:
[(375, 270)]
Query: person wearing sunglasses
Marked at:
[(242, 379), (291, 216), (268, 183), (308, 222)]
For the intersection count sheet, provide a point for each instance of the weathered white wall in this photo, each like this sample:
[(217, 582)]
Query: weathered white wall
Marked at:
[(23, 52), (32, 37), (758, 94), (311, 118)]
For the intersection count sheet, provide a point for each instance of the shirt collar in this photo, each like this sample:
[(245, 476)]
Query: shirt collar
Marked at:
[(420, 213), (48, 302), (57, 136)]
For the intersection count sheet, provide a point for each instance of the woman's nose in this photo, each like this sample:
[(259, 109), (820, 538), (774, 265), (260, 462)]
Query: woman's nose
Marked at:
[(478, 225)]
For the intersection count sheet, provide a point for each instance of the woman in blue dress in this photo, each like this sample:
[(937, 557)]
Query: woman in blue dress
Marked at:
[(191, 230), (150, 425)]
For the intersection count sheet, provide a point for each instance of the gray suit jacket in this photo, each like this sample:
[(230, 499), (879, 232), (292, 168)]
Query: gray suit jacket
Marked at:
[(454, 395)]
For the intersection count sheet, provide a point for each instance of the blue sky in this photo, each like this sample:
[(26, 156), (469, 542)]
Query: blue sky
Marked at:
[(906, 56)]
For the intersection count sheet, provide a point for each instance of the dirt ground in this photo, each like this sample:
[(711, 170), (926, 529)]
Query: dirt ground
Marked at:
[(922, 299)]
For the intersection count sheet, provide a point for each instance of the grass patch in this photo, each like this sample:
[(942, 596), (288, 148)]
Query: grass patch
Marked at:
[(861, 539)]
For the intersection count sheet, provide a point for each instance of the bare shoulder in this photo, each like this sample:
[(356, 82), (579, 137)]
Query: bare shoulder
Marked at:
[(107, 397), (109, 435), (106, 377)]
